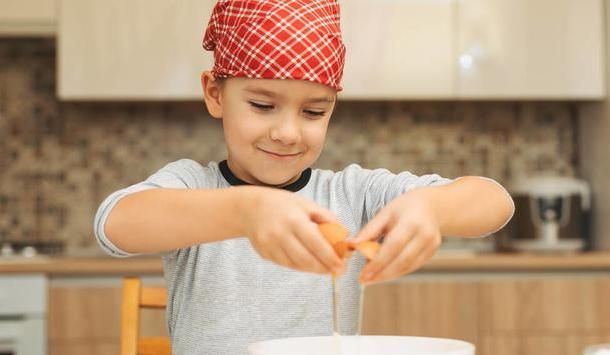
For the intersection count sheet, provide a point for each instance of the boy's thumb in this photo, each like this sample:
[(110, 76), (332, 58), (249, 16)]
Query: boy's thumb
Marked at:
[(372, 230), (321, 215)]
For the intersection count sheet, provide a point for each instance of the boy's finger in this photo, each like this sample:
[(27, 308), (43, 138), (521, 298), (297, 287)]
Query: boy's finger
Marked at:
[(405, 260), (321, 215), (393, 245), (300, 258), (420, 260), (280, 257), (311, 237), (374, 229)]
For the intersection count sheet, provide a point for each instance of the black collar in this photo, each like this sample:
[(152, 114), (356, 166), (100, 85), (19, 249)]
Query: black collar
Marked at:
[(235, 181)]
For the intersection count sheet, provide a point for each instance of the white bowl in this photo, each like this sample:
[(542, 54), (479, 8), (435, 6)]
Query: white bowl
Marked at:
[(362, 345), (600, 349)]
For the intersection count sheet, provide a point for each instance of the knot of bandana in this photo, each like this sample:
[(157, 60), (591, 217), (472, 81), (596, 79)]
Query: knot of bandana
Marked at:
[(277, 39)]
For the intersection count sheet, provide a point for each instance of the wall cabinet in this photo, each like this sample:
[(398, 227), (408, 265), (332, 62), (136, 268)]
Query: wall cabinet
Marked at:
[(474, 49), (514, 316), (132, 50), (408, 49), (398, 49), (27, 17), (547, 49)]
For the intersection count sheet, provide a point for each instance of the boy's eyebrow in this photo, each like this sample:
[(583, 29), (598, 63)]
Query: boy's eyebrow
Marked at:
[(271, 94), (260, 91), (324, 99)]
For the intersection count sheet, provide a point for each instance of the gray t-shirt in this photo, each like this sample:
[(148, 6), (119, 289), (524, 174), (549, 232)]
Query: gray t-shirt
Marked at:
[(223, 296)]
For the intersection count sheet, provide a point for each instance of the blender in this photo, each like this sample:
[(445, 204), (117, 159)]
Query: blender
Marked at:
[(551, 214)]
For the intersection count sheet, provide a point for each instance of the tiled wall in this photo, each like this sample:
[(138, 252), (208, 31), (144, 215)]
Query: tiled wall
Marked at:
[(58, 160)]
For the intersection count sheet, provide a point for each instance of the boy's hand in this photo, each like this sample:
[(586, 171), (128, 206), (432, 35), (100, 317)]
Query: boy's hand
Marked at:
[(412, 236), (283, 228)]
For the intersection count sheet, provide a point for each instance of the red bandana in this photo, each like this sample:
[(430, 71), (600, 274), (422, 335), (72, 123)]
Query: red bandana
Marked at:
[(277, 39)]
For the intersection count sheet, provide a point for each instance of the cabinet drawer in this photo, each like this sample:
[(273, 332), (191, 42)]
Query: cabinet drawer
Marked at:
[(81, 313), (556, 305), (423, 308), (23, 294)]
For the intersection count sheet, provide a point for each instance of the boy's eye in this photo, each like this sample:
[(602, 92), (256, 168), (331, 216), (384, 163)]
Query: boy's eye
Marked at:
[(314, 113), (260, 106)]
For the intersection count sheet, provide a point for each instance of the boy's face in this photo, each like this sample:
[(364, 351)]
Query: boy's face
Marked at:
[(274, 129)]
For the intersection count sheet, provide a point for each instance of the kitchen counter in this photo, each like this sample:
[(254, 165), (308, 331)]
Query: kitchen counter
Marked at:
[(98, 265), (102, 265)]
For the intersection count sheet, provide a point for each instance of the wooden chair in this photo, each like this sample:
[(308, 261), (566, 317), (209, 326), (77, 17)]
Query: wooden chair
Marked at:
[(136, 297)]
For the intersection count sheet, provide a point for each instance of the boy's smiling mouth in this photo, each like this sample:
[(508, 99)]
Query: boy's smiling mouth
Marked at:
[(280, 155)]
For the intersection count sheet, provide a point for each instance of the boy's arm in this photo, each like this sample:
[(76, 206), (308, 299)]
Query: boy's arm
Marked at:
[(414, 222), (471, 206), (162, 219), (282, 226)]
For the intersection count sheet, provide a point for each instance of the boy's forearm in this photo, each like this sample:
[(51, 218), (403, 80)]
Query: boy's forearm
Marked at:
[(160, 220), (470, 206)]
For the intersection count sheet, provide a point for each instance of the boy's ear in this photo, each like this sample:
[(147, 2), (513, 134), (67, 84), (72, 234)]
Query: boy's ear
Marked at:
[(212, 94)]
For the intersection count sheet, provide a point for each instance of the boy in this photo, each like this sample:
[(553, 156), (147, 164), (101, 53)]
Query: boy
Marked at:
[(244, 260)]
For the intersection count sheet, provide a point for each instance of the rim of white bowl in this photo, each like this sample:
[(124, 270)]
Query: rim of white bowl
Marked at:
[(589, 350), (466, 345)]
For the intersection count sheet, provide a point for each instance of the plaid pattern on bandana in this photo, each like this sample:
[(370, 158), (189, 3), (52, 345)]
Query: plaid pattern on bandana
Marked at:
[(277, 39)]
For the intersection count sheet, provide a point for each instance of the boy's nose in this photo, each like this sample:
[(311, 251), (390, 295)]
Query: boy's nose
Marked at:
[(286, 131)]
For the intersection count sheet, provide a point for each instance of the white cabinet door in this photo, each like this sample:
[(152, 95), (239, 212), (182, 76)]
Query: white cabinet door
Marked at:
[(27, 17), (398, 49), (132, 50), (532, 49)]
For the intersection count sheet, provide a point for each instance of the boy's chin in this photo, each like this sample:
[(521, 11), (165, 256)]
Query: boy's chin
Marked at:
[(276, 180)]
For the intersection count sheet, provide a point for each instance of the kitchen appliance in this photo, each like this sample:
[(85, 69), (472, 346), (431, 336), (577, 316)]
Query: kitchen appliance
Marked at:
[(552, 214), (23, 314), (11, 249), (362, 345)]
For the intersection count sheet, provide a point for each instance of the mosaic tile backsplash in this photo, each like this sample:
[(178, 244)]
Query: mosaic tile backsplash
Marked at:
[(58, 160)]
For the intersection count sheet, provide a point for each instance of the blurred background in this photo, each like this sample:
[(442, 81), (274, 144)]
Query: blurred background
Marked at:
[(98, 95)]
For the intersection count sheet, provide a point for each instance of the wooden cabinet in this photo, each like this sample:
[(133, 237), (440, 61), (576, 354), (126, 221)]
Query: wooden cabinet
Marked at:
[(474, 49), (408, 49), (502, 315), (513, 316), (536, 344), (398, 49), (132, 50), (427, 308), (547, 49), (139, 50), (85, 319), (27, 17), (550, 306)]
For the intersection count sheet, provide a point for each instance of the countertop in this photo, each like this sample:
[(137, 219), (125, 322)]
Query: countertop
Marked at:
[(102, 265)]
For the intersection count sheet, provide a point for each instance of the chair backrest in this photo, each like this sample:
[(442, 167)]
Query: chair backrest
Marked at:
[(136, 297)]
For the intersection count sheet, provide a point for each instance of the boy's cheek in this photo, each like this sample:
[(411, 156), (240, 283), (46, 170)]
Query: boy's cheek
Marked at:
[(316, 134)]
